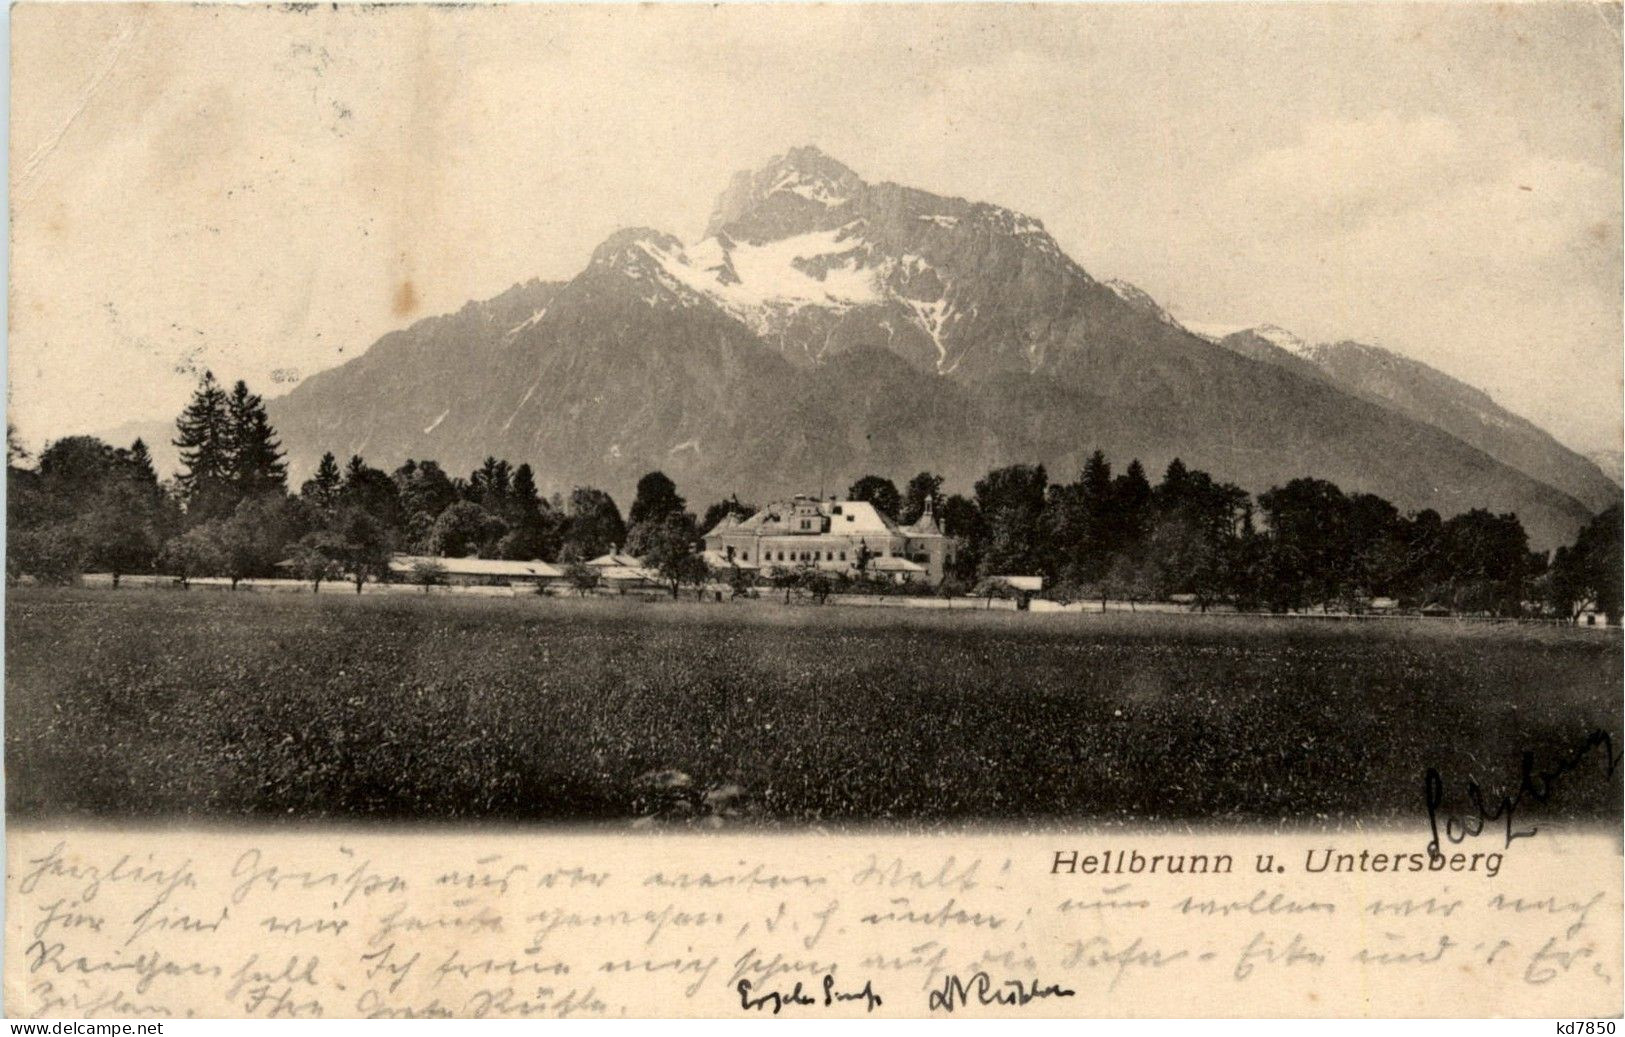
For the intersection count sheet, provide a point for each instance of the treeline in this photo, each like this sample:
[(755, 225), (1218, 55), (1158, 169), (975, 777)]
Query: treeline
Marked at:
[(85, 505), (1304, 544)]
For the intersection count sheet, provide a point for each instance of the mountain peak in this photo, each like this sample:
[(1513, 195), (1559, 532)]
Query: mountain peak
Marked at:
[(828, 325), (1276, 335), (793, 193), (807, 158), (626, 246)]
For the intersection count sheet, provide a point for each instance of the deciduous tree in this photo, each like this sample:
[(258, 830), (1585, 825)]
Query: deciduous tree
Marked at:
[(594, 525), (656, 498)]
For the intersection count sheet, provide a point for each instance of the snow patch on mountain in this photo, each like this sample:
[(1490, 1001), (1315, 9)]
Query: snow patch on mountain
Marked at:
[(758, 282), (521, 406), (527, 322), (933, 317), (1025, 229), (814, 188)]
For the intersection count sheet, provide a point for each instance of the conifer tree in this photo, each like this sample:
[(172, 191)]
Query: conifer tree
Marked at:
[(489, 485), (256, 454), (204, 436), (523, 489), (323, 488), (141, 463)]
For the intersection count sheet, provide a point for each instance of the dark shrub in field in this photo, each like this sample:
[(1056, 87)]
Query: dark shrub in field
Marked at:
[(215, 705)]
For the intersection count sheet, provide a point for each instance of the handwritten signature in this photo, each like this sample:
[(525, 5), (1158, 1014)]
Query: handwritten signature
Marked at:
[(981, 990), (1537, 787), (777, 1001)]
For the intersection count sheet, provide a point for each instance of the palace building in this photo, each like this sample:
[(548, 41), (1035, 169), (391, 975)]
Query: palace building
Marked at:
[(834, 535)]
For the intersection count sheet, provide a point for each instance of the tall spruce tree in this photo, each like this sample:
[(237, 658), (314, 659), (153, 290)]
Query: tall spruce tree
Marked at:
[(322, 489), (140, 459), (534, 528), (489, 484), (256, 454), (204, 436)]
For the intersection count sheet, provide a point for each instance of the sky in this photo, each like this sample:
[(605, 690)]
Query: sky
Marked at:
[(264, 192)]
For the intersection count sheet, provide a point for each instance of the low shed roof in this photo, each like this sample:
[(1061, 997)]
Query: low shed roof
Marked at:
[(615, 560), (478, 567)]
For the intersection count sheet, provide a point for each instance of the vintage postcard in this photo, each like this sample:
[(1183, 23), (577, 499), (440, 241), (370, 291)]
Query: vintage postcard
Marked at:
[(814, 511)]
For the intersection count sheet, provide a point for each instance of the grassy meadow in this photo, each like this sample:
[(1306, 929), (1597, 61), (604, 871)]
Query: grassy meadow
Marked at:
[(211, 705)]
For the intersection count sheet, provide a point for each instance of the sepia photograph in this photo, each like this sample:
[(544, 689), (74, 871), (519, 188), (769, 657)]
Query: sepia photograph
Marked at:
[(687, 427)]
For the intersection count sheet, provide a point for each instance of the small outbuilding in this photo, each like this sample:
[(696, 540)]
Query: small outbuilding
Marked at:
[(624, 572), (898, 570), (405, 568)]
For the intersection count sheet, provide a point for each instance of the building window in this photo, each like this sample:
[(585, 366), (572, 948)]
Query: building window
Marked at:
[(843, 556)]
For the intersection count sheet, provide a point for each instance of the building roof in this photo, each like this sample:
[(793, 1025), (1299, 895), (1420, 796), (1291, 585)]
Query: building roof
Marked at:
[(628, 574), (839, 518), (926, 524), (615, 560), (887, 564), (477, 567), (1021, 583)]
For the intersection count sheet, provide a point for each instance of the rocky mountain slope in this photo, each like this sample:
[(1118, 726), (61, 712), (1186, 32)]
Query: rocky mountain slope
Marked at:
[(1425, 394), (1610, 461), (826, 327)]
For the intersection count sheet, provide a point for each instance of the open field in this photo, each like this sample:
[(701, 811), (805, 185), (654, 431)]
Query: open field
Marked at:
[(210, 705)]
